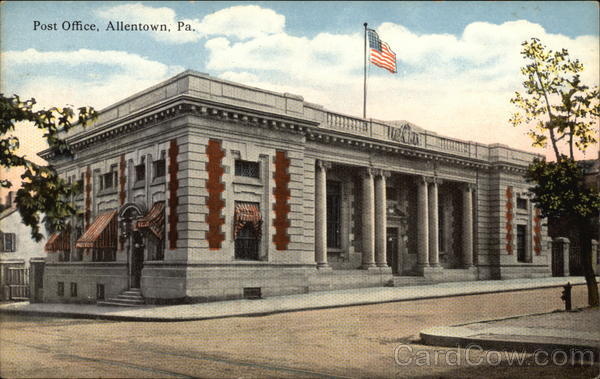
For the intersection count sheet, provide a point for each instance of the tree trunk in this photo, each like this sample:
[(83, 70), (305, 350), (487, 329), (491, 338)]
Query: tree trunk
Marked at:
[(585, 240)]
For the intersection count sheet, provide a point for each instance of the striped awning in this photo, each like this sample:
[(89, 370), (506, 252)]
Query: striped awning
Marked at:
[(101, 234), (59, 241), (247, 213), (154, 220)]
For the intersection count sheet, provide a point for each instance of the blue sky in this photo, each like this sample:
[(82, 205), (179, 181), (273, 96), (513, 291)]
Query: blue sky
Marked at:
[(301, 18), (458, 62)]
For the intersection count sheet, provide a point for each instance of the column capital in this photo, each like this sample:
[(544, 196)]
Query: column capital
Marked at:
[(368, 171), (433, 180), (424, 179), (381, 172), (470, 187), (323, 165)]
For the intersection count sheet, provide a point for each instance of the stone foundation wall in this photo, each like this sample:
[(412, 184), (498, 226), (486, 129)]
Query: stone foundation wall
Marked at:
[(211, 283), (163, 283), (86, 276), (525, 272)]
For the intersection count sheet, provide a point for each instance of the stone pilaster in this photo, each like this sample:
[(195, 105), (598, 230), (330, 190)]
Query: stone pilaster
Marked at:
[(321, 215), (422, 224), (368, 220), (467, 225), (434, 254), (380, 219)]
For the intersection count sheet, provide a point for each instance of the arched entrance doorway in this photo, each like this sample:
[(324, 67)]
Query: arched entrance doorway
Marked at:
[(132, 241)]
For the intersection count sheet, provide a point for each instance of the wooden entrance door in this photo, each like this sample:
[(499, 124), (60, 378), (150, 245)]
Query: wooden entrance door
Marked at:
[(137, 258)]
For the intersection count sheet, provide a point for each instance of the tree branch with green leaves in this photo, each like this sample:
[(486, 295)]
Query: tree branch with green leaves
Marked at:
[(42, 191), (556, 105), (561, 111)]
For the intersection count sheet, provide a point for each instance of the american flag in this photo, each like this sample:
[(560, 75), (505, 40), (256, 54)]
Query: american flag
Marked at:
[(380, 53)]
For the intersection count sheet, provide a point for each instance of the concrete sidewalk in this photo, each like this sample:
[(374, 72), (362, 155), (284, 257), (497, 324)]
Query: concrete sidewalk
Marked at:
[(314, 300), (572, 332)]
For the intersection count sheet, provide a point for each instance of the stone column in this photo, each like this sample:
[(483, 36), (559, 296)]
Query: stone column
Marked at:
[(422, 224), (321, 215), (434, 253), (467, 226), (380, 220), (368, 220)]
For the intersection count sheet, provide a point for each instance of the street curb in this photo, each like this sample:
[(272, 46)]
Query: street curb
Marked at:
[(428, 337), (115, 317), (440, 336)]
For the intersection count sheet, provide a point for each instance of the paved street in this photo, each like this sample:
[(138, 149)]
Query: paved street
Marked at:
[(357, 341)]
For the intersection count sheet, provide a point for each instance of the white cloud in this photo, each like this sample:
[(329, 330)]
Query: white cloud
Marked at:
[(458, 86), (84, 77), (323, 60), (242, 21)]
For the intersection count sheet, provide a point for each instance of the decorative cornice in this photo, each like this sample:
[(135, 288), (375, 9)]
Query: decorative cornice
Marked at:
[(508, 167), (308, 128)]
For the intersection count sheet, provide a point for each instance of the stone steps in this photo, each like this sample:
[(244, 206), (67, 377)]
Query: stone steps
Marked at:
[(130, 298)]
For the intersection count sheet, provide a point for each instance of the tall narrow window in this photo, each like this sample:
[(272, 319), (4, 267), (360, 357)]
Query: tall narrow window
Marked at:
[(334, 214), (80, 187), (160, 166), (140, 171), (522, 243), (247, 230)]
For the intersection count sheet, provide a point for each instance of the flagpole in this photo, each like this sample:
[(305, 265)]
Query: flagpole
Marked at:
[(365, 76)]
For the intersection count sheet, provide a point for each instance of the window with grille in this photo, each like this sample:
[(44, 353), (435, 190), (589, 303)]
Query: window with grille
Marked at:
[(247, 168), (334, 214), (247, 230), (247, 243), (73, 289), (60, 289)]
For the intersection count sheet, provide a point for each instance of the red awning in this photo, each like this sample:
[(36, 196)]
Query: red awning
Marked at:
[(59, 241), (154, 220), (101, 234), (247, 213)]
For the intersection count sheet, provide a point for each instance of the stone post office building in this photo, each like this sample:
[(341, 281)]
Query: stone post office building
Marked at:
[(201, 189)]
